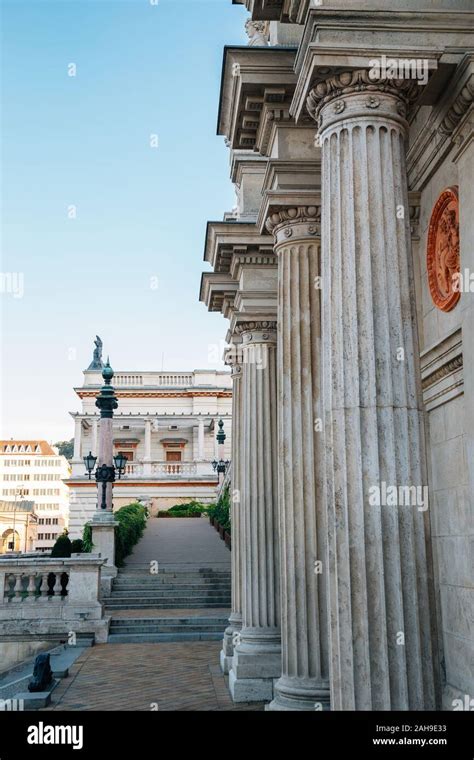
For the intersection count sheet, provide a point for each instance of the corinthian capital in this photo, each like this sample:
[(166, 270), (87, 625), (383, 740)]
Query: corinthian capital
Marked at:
[(295, 223), (359, 92), (261, 331)]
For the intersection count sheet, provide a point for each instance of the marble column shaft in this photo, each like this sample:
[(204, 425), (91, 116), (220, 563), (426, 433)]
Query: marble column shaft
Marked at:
[(380, 584), (304, 683), (257, 656)]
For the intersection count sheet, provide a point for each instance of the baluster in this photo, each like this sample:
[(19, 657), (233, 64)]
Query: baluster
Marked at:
[(31, 588), (57, 588), (9, 588), (17, 587), (44, 585)]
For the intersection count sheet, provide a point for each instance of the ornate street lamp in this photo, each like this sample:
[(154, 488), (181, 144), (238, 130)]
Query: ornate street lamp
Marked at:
[(89, 462), (120, 461), (105, 472), (220, 466)]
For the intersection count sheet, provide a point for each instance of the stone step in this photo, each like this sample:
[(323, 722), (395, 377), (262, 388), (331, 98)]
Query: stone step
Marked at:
[(176, 584), (192, 604), (170, 589), (218, 620), (214, 628), (167, 594), (155, 638)]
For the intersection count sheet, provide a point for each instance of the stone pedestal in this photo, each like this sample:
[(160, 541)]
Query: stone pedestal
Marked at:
[(380, 591), (304, 683), (103, 539), (257, 656)]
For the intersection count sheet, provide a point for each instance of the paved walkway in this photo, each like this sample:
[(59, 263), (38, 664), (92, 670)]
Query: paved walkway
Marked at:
[(167, 676), (164, 676), (190, 541)]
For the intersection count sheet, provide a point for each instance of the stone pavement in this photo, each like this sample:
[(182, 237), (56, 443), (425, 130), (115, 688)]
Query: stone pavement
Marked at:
[(171, 676), (180, 541)]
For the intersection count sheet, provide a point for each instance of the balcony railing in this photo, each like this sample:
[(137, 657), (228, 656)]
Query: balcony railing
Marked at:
[(159, 470), (162, 470), (174, 468)]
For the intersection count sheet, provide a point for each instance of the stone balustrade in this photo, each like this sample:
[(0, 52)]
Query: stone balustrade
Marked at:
[(48, 596), (158, 470)]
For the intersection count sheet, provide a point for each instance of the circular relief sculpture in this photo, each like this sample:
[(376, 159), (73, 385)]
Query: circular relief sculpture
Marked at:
[(443, 258)]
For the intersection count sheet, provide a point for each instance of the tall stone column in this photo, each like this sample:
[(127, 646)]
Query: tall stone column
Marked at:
[(304, 683), (257, 656), (380, 586), (147, 456), (201, 440), (78, 439), (95, 435), (233, 358)]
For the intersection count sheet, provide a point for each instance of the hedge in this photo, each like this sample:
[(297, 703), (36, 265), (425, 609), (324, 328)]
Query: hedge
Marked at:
[(221, 510), (131, 524), (191, 509), (62, 546)]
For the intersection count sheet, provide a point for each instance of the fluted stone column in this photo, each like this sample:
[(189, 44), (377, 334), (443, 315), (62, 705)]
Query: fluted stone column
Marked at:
[(235, 620), (304, 683), (257, 656), (78, 439), (380, 588)]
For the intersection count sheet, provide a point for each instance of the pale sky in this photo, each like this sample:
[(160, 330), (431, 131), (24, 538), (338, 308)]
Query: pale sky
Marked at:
[(102, 233)]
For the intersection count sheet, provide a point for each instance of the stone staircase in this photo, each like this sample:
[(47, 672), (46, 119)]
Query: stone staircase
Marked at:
[(156, 629), (170, 590)]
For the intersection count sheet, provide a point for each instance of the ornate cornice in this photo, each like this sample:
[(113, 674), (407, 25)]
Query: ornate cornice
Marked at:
[(357, 82), (458, 109), (159, 394), (446, 369)]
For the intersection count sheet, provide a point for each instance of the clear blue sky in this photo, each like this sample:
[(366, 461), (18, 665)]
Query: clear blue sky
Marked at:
[(84, 141)]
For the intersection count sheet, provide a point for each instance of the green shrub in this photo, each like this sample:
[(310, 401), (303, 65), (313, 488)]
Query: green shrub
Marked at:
[(62, 547), (87, 539), (190, 509), (221, 510), (77, 546), (131, 524)]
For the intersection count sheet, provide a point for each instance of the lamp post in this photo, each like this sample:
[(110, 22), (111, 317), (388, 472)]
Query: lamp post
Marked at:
[(105, 473), (18, 492), (103, 523), (220, 466)]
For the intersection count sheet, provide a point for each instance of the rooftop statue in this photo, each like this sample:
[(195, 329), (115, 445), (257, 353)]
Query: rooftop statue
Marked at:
[(256, 33), (97, 363)]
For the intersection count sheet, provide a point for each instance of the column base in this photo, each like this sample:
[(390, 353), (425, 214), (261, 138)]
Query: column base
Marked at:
[(227, 651), (256, 665), (250, 689), (301, 694)]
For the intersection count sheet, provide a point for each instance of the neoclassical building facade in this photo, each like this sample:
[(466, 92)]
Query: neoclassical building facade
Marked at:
[(166, 425), (346, 277)]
